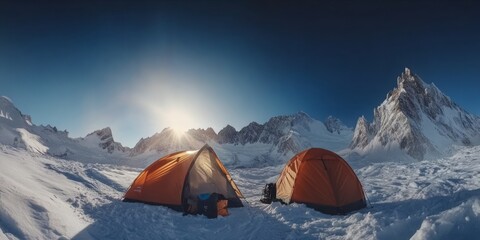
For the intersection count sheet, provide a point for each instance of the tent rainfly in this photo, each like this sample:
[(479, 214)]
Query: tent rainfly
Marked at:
[(322, 180), (174, 178)]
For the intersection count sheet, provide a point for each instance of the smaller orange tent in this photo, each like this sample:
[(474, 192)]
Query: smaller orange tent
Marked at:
[(174, 178), (322, 180)]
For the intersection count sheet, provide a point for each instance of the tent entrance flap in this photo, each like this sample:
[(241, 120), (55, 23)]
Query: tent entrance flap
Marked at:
[(205, 176)]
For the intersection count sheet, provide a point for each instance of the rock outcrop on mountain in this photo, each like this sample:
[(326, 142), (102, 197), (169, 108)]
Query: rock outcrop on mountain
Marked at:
[(11, 116), (250, 133), (418, 119), (167, 141), (362, 134), (203, 135), (334, 125), (105, 140), (227, 135)]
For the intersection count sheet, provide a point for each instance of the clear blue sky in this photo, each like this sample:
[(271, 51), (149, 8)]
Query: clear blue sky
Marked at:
[(140, 67)]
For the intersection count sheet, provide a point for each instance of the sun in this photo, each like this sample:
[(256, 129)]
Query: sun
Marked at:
[(178, 120), (173, 115)]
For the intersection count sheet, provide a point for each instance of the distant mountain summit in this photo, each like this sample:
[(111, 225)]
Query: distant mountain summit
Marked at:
[(11, 116), (334, 125), (418, 119), (104, 139), (227, 135), (14, 125), (169, 141)]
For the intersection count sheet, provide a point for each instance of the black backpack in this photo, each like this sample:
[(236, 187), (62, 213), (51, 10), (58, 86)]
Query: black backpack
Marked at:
[(208, 207), (269, 193)]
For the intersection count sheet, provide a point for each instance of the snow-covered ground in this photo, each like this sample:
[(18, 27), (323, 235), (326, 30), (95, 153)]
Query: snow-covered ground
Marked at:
[(47, 198)]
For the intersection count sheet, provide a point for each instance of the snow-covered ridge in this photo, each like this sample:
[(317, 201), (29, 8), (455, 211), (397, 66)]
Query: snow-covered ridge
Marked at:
[(418, 119), (17, 130)]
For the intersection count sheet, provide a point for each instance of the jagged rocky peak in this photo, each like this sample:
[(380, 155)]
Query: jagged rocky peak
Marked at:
[(106, 140), (10, 114), (141, 146), (169, 140), (362, 133), (278, 126), (203, 135), (157, 141), (302, 116), (413, 95), (250, 133), (103, 134), (227, 135), (418, 118), (334, 125), (210, 132), (28, 119)]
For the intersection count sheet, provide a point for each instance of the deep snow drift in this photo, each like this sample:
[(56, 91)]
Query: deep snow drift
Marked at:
[(48, 198)]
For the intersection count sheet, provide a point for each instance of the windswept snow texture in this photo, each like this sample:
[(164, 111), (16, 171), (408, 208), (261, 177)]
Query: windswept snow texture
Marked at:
[(49, 198)]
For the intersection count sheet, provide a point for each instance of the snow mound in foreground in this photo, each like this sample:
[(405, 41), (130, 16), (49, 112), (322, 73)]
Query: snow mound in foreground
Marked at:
[(461, 222)]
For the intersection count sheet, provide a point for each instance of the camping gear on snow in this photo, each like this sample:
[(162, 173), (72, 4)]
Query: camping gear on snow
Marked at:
[(207, 204), (269, 193), (222, 207), (191, 206), (175, 179), (322, 180), (210, 205), (213, 205)]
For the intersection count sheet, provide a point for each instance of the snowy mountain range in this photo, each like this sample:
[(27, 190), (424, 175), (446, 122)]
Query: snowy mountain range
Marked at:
[(275, 140), (416, 120), (289, 133), (256, 144)]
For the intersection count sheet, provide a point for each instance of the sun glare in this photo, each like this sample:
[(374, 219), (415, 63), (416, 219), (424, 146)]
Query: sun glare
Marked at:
[(178, 120), (165, 108)]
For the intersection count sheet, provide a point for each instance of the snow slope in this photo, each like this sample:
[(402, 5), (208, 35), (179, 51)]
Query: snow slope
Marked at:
[(48, 198)]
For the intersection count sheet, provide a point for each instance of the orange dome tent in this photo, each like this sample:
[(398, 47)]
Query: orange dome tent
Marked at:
[(322, 180), (172, 179)]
